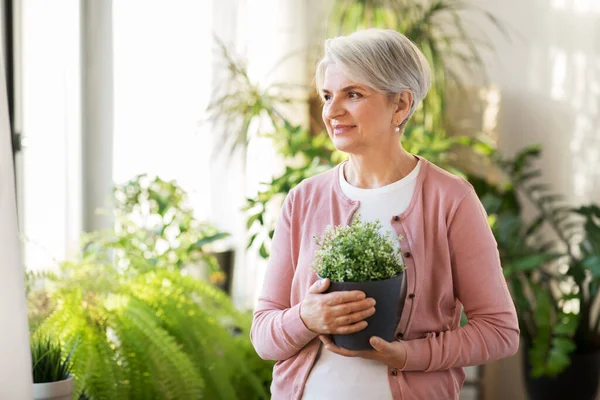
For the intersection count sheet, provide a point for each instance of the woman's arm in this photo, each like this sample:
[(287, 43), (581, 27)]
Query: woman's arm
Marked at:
[(493, 330), (277, 331)]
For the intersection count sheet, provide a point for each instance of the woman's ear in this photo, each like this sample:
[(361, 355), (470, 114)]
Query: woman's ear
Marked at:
[(404, 101)]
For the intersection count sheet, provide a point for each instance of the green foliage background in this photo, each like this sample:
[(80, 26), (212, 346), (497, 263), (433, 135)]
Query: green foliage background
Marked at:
[(136, 324)]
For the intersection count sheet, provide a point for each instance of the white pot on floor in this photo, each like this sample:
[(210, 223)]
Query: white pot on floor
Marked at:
[(61, 390)]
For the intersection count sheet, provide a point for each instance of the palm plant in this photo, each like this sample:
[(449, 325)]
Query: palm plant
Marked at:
[(238, 102), (552, 263), (439, 29)]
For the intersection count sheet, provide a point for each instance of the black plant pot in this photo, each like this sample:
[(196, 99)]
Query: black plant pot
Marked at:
[(383, 323), (226, 260), (578, 382)]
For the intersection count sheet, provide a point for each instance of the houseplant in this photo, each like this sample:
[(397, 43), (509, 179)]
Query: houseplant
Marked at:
[(138, 324), (51, 369), (359, 257), (552, 265)]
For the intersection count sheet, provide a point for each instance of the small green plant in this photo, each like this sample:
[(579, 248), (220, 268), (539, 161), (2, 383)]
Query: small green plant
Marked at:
[(49, 363), (357, 253)]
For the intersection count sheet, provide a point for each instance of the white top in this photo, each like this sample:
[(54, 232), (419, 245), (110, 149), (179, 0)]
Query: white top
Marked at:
[(338, 377)]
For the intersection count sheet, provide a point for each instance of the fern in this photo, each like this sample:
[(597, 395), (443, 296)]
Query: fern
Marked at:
[(138, 328)]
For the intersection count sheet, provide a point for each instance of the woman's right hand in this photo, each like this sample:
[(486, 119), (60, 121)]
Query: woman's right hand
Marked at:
[(336, 313)]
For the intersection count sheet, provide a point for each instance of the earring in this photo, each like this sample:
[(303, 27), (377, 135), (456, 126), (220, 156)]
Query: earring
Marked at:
[(398, 129)]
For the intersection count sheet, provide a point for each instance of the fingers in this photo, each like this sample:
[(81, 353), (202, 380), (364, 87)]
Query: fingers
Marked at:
[(319, 286), (326, 339), (333, 299), (331, 346), (381, 345), (349, 319), (352, 328), (349, 308)]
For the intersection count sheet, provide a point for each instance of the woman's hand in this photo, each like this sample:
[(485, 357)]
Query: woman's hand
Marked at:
[(335, 313), (391, 354)]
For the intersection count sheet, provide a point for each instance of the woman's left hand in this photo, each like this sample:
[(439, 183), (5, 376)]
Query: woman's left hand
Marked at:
[(392, 354)]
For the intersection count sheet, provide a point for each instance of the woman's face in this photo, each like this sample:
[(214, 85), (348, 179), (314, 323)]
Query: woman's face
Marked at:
[(357, 118)]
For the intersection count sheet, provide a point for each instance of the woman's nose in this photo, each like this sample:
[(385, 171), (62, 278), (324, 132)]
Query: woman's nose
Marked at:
[(334, 109)]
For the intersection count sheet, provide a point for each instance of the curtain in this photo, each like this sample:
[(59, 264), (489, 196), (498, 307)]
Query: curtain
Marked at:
[(15, 359)]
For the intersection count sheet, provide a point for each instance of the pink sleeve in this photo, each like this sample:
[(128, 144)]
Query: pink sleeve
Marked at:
[(493, 330), (277, 331)]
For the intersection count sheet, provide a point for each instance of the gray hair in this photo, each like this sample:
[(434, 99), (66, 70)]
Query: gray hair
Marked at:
[(383, 59)]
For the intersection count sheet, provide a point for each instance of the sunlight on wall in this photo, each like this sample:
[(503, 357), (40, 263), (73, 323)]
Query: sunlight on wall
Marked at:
[(491, 97), (276, 40), (579, 6), (575, 82), (558, 59), (162, 73)]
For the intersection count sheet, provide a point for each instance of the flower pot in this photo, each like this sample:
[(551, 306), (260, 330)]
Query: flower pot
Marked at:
[(61, 390), (226, 260), (383, 323), (578, 381)]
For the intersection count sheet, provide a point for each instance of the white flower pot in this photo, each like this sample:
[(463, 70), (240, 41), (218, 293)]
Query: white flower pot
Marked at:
[(61, 390)]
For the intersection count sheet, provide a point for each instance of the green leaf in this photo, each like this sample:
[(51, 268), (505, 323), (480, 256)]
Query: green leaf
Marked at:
[(251, 241), (263, 251), (253, 219), (592, 263), (209, 239), (535, 225), (533, 261), (566, 325)]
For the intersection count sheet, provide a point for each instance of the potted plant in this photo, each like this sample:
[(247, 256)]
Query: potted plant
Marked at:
[(138, 323), (52, 379), (359, 257), (552, 266)]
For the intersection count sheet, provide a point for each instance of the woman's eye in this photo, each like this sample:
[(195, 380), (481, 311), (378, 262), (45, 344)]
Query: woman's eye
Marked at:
[(326, 97), (354, 95)]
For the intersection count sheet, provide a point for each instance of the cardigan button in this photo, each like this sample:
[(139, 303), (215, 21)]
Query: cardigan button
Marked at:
[(394, 372), (411, 296), (400, 335), (396, 218), (407, 254)]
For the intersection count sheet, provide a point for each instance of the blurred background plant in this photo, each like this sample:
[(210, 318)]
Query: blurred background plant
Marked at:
[(436, 27), (135, 321)]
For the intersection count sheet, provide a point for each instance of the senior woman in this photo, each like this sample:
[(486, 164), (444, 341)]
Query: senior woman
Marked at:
[(371, 83)]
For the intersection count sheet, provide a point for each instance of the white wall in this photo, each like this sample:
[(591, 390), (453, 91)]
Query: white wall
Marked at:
[(549, 76)]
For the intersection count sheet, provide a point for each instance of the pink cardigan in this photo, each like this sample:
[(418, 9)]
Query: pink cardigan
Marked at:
[(451, 258)]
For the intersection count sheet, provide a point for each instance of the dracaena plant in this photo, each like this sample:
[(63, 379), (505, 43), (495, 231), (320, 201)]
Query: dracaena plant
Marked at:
[(551, 262), (439, 29), (356, 253)]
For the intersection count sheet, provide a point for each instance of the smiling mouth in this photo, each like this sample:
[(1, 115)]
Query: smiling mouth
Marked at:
[(341, 129)]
